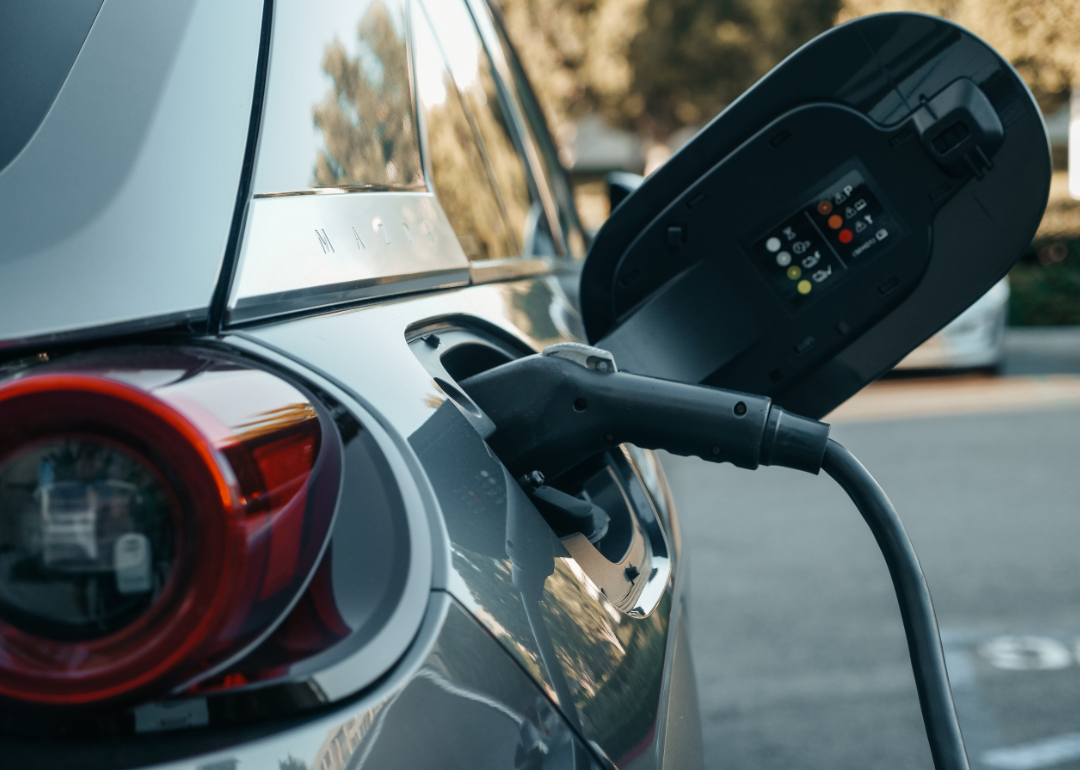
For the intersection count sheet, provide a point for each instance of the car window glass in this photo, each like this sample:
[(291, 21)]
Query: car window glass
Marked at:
[(477, 82), (339, 106), (459, 173), (554, 172)]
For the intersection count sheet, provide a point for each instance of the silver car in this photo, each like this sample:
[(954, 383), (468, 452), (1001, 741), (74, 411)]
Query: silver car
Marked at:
[(248, 519)]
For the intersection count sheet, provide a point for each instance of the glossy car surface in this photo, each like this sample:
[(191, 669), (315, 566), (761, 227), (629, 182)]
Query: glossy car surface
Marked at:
[(361, 200)]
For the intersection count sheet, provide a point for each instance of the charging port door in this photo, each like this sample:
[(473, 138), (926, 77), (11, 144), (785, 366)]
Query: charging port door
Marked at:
[(848, 206)]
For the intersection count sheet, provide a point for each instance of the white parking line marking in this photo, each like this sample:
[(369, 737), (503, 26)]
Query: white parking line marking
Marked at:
[(1026, 653), (977, 723), (1031, 756)]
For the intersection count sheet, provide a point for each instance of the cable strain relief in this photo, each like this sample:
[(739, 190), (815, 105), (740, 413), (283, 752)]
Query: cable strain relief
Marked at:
[(793, 441)]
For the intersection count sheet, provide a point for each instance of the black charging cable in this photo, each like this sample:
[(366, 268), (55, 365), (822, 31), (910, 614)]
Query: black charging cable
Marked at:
[(916, 607), (554, 410)]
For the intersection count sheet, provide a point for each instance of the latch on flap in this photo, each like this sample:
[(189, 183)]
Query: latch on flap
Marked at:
[(960, 128)]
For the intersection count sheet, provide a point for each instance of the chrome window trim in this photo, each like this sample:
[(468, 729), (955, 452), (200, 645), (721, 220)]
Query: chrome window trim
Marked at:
[(343, 190), (303, 253), (309, 251), (511, 269)]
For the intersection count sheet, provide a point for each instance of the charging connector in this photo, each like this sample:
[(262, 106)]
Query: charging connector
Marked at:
[(553, 411)]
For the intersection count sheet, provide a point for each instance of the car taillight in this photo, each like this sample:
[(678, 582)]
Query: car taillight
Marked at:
[(160, 514)]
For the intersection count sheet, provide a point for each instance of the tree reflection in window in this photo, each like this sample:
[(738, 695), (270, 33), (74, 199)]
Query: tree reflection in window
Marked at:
[(459, 171), (367, 119), (475, 77)]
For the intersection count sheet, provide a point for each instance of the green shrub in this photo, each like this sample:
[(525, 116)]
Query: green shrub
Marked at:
[(1046, 285)]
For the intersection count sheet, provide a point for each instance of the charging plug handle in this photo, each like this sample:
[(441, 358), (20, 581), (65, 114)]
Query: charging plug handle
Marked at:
[(551, 413)]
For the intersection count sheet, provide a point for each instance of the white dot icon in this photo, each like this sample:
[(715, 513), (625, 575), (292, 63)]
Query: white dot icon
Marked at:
[(783, 259), (773, 244)]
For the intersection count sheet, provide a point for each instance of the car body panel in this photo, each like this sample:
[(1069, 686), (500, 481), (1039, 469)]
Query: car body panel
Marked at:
[(34, 73), (503, 652), (459, 703), (104, 226), (610, 667)]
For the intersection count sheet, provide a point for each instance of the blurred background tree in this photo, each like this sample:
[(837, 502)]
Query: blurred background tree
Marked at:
[(1040, 37), (694, 57), (654, 67)]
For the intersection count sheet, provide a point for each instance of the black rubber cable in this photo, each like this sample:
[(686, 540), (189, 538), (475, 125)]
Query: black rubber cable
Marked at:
[(916, 607)]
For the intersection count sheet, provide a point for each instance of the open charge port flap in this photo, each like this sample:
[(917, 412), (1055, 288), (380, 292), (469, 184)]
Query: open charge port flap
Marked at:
[(450, 355)]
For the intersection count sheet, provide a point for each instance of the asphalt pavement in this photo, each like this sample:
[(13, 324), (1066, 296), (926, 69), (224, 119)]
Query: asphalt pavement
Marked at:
[(797, 640), (1042, 350)]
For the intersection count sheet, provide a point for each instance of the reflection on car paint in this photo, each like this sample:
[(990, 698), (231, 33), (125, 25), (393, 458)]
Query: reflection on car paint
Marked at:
[(472, 71), (480, 709), (466, 705), (540, 311), (474, 509), (604, 669)]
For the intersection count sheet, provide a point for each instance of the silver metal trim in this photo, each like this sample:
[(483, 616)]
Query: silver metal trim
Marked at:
[(342, 190), (583, 355), (379, 655), (308, 251), (494, 270)]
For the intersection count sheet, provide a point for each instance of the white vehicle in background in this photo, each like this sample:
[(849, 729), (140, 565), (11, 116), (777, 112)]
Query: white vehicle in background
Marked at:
[(974, 340)]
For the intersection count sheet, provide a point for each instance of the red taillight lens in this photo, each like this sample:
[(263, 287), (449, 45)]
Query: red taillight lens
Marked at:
[(158, 518)]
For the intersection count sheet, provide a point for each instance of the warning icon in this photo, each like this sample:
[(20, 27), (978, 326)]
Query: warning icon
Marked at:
[(849, 212)]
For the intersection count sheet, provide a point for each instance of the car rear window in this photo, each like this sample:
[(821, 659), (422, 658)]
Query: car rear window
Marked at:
[(339, 109)]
